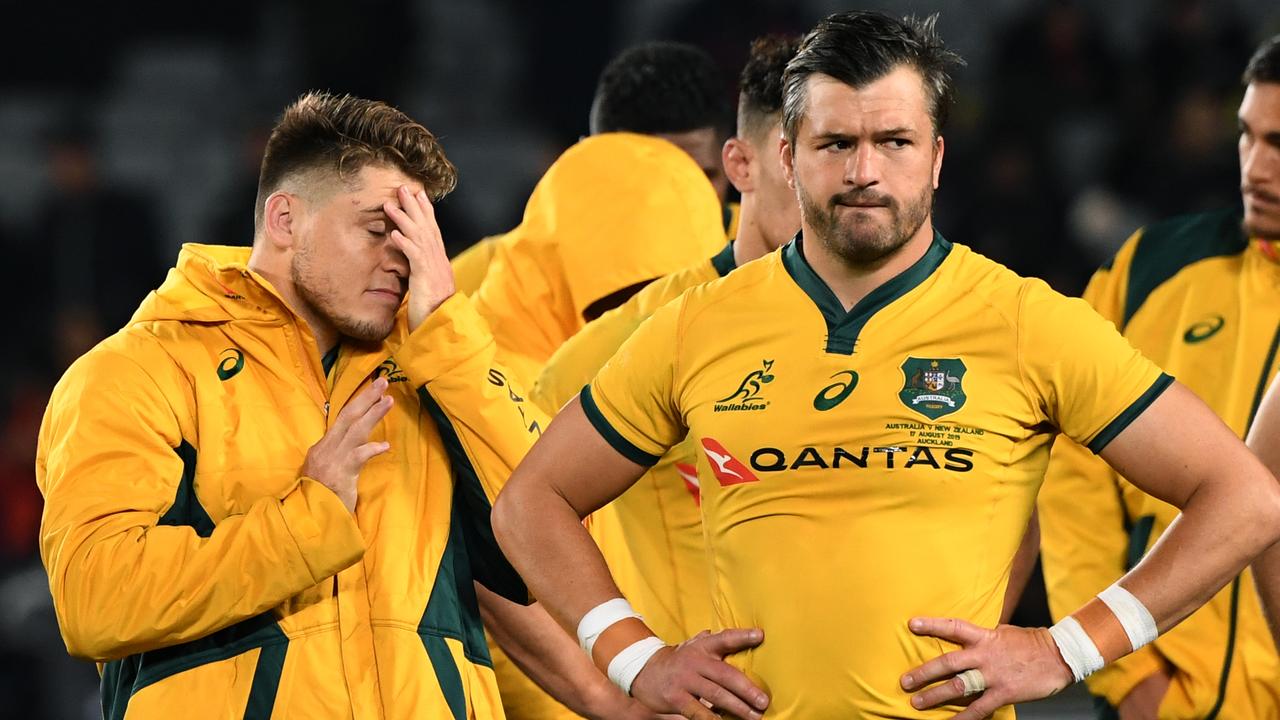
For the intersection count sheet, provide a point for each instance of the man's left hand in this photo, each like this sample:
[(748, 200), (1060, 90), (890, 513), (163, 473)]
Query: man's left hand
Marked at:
[(418, 237), (1014, 665)]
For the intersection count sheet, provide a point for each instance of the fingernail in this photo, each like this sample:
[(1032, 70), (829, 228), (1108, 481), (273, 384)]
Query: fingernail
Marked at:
[(915, 624), (908, 681), (756, 635), (422, 194), (917, 702)]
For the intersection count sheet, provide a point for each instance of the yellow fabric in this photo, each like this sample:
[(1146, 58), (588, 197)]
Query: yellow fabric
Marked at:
[(471, 265), (651, 536), (614, 210), (1085, 506), (823, 492), (169, 459), (734, 212)]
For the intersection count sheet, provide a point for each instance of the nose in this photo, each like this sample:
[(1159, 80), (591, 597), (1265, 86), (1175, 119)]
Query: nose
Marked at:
[(860, 170), (395, 261)]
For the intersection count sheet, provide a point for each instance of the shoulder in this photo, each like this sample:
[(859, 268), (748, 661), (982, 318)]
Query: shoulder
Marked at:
[(1161, 250)]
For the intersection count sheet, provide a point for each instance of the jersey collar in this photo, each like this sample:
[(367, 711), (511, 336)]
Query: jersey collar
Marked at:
[(723, 261), (843, 327)]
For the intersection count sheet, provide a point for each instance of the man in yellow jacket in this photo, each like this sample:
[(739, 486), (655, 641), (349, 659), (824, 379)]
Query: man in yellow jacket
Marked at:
[(664, 89), (652, 535), (269, 494), (1199, 295)]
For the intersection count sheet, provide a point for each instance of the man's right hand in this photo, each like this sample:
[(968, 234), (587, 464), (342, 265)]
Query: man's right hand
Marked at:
[(1143, 701), (677, 680), (337, 459)]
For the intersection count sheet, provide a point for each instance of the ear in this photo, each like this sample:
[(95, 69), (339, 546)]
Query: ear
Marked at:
[(278, 218), (939, 147), (788, 161), (737, 156)]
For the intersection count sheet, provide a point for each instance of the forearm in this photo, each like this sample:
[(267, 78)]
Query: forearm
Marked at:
[(120, 587), (550, 657)]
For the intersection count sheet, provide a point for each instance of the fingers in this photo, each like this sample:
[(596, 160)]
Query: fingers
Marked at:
[(949, 691), (360, 404), (368, 451), (728, 642), (727, 688), (695, 710), (942, 666), (363, 426), (952, 629), (983, 707)]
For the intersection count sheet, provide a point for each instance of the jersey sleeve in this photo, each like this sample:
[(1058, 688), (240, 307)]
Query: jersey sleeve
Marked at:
[(632, 401), (1083, 376)]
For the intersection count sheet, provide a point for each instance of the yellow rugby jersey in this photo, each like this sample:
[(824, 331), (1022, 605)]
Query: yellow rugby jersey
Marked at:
[(651, 536), (1199, 298), (860, 468)]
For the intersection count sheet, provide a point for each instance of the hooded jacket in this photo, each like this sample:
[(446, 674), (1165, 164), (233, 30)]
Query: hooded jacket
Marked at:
[(209, 579), (613, 211)]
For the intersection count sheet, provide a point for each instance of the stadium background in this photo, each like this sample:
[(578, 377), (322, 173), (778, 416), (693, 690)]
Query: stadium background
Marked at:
[(126, 130)]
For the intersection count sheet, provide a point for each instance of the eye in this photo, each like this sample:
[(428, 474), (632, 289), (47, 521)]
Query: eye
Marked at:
[(837, 145), (897, 143), (377, 230)]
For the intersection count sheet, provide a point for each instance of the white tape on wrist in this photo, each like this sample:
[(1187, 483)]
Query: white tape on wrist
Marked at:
[(626, 665), (1132, 614), (600, 618), (1077, 648)]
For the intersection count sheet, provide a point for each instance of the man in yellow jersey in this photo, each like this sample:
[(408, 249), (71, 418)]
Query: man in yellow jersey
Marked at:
[(652, 536), (269, 494), (665, 89), (874, 408), (1200, 295)]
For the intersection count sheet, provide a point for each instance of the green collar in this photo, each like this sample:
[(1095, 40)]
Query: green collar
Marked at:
[(723, 261), (330, 359), (843, 327)]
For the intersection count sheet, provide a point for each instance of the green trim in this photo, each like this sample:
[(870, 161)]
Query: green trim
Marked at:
[(1264, 378), (186, 510), (121, 679), (1139, 536), (843, 327), (723, 261), (447, 674), (471, 512), (1167, 247), (1131, 413), (612, 436), (329, 359), (1231, 650), (266, 682)]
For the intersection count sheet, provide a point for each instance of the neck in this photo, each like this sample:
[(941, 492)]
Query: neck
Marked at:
[(750, 242), (277, 275), (852, 282)]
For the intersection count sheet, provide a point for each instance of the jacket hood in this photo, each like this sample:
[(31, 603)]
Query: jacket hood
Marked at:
[(612, 211)]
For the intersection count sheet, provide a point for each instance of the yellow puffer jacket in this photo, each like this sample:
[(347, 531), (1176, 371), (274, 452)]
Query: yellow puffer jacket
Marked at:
[(187, 556), (613, 211)]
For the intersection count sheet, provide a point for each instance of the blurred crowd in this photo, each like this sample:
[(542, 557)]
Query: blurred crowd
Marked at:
[(1077, 121)]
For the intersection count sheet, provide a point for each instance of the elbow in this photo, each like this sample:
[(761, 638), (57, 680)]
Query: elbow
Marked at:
[(85, 639)]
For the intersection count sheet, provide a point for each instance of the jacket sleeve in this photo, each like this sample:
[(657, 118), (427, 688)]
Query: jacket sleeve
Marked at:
[(484, 420), (125, 576), (1084, 541)]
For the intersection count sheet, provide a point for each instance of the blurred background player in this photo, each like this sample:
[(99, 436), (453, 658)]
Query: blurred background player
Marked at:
[(665, 89), (1200, 295), (652, 535)]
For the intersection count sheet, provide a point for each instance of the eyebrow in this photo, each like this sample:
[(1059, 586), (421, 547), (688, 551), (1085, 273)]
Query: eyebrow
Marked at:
[(374, 209)]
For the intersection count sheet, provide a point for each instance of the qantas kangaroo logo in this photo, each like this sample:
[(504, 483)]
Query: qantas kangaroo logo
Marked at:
[(727, 469)]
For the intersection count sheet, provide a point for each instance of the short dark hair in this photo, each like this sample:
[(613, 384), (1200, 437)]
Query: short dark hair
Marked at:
[(858, 48), (660, 87), (341, 134), (760, 84), (1264, 66)]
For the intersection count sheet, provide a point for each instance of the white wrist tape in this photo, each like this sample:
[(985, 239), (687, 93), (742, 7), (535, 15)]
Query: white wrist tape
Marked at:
[(627, 664), (599, 618), (1077, 648), (1132, 614)]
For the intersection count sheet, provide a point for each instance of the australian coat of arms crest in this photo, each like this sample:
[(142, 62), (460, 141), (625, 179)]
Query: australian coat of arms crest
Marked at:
[(933, 387)]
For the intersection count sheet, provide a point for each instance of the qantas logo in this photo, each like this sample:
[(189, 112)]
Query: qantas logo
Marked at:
[(728, 470), (689, 474)]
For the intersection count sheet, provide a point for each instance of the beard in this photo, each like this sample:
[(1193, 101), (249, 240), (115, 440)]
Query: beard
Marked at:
[(860, 240), (318, 291)]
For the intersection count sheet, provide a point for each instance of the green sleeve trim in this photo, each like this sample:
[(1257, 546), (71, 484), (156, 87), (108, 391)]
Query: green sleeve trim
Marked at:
[(723, 261), (472, 511), (612, 436), (1122, 421)]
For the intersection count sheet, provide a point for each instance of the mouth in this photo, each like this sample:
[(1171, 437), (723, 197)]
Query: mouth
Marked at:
[(1260, 196), (386, 295)]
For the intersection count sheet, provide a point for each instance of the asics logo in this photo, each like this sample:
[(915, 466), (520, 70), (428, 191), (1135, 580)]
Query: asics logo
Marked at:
[(1204, 329), (835, 393), (231, 363)]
